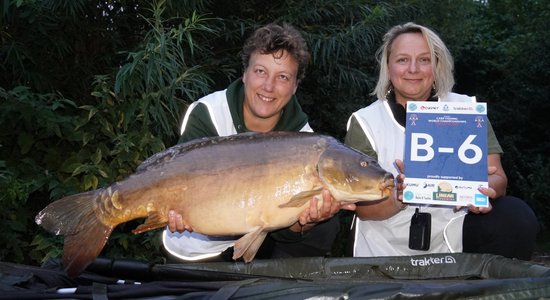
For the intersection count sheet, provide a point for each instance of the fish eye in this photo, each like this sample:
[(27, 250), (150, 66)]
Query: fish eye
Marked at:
[(364, 164)]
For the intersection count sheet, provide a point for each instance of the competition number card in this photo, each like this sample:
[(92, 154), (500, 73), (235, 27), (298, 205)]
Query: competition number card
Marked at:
[(446, 153)]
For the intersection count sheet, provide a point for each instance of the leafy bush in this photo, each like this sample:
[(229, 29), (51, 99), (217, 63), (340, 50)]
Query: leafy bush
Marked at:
[(83, 106), (53, 147)]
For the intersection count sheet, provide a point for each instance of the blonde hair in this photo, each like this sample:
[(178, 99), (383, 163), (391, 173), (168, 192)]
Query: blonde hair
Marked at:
[(442, 65)]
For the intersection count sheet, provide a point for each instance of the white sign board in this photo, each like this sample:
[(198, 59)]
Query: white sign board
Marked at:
[(446, 153)]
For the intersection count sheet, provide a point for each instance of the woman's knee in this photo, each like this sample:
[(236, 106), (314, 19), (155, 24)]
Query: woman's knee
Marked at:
[(513, 211)]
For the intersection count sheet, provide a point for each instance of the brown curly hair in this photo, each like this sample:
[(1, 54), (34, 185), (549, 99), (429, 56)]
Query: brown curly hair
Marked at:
[(272, 38)]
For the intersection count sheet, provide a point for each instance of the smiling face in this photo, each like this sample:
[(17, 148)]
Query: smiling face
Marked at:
[(270, 80), (410, 68)]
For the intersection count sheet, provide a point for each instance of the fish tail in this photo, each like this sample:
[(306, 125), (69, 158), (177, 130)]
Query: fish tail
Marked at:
[(85, 235)]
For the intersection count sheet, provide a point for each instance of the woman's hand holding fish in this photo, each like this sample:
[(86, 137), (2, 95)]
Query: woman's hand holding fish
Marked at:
[(400, 180), (176, 223), (381, 210), (317, 213), (397, 193)]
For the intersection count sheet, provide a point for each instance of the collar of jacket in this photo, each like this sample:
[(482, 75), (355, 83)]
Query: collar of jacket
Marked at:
[(292, 119)]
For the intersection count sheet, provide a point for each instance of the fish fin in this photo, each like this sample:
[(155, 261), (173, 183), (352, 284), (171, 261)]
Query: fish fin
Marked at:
[(247, 246), (301, 198), (159, 159), (153, 221), (85, 235), (81, 249)]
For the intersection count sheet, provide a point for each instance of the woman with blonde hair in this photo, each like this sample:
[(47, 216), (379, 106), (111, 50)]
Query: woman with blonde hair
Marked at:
[(416, 65)]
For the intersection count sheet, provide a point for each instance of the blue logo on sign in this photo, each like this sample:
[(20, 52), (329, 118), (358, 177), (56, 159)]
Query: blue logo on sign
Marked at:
[(412, 107), (480, 108), (480, 200), (408, 195)]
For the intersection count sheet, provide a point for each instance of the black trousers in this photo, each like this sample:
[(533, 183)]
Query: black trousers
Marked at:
[(510, 230)]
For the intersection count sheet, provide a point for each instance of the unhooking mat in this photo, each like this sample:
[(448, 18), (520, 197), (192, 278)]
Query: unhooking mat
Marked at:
[(434, 276)]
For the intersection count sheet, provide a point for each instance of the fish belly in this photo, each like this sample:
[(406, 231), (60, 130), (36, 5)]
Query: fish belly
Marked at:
[(241, 201)]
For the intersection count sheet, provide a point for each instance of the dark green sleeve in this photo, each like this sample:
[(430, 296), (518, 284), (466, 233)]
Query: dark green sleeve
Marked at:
[(492, 143), (357, 139), (199, 125)]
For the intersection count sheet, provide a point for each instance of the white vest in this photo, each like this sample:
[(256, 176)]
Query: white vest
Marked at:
[(390, 237), (219, 113), (195, 246)]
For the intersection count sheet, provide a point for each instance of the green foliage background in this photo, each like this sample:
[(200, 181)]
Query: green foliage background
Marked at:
[(89, 89)]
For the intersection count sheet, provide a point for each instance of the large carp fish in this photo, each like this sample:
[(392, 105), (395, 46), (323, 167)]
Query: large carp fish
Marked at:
[(246, 184)]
